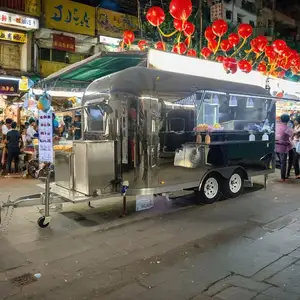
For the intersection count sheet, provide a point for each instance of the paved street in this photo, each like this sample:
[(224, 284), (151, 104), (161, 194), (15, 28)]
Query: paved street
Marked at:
[(245, 248)]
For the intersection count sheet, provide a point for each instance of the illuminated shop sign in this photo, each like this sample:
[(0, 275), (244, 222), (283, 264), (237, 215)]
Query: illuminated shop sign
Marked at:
[(19, 21)]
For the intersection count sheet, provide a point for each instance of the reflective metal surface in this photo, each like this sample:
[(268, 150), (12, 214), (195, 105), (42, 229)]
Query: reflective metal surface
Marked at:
[(64, 169)]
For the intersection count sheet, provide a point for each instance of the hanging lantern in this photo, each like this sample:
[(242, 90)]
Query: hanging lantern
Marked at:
[(230, 65), (189, 29), (233, 39), (206, 52), (262, 67), (279, 46), (219, 27), (261, 42), (209, 35), (254, 46), (192, 53), (142, 44), (245, 66), (181, 9), (220, 59), (128, 37), (245, 31), (179, 25), (212, 45), (155, 15), (179, 48), (160, 46), (225, 45), (270, 53)]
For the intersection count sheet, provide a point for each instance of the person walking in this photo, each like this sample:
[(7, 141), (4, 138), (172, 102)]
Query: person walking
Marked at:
[(13, 147), (295, 141), (283, 144)]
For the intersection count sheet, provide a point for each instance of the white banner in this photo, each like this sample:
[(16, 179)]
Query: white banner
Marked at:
[(45, 137)]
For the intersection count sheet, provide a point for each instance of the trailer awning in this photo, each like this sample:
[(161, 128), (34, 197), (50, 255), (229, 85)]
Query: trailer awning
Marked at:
[(81, 74)]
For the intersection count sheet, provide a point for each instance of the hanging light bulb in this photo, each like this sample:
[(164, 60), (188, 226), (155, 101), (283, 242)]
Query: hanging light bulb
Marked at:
[(215, 99), (249, 103), (233, 101)]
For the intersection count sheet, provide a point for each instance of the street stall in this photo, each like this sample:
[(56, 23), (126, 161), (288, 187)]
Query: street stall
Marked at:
[(148, 132)]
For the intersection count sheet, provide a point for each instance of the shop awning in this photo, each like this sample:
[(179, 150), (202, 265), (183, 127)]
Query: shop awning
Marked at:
[(81, 74)]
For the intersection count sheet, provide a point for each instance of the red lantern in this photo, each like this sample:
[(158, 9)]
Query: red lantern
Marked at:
[(284, 64), (294, 58), (279, 46), (245, 30), (270, 53), (219, 27), (206, 52), (179, 48), (187, 41), (286, 53), (233, 39), (142, 44), (160, 46), (179, 24), (155, 15), (230, 65), (220, 59), (189, 29), (128, 37), (261, 42), (212, 45), (225, 45), (192, 53), (209, 35), (245, 66), (254, 46), (181, 9), (262, 67)]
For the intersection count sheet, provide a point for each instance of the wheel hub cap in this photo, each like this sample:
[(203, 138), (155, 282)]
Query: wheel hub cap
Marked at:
[(211, 188)]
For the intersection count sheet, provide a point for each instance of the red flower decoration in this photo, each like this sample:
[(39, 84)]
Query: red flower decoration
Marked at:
[(230, 65), (212, 45), (192, 53), (179, 48), (233, 39), (220, 59), (225, 45), (206, 52), (219, 27), (245, 66), (262, 67), (279, 46), (142, 44), (155, 15), (181, 9), (160, 46), (245, 30), (128, 37), (209, 35), (189, 29)]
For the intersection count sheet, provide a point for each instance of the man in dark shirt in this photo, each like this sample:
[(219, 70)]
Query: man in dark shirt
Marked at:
[(76, 128), (13, 147)]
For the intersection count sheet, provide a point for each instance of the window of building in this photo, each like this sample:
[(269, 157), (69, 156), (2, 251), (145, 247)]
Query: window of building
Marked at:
[(252, 23), (239, 19), (58, 56), (228, 14), (45, 54)]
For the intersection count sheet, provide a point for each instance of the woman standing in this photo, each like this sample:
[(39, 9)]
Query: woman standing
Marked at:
[(295, 141), (283, 144)]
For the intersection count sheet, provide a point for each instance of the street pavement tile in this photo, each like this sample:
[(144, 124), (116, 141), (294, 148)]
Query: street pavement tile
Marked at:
[(280, 294), (236, 293), (275, 267), (288, 279), (7, 289), (237, 281), (127, 292), (296, 254)]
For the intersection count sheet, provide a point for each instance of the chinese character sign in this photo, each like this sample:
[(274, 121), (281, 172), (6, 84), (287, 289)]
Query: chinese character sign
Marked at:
[(19, 21), (63, 43), (33, 7), (111, 23), (70, 16), (18, 37), (45, 137)]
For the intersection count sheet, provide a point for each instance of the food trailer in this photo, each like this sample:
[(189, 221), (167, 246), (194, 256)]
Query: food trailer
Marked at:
[(148, 132)]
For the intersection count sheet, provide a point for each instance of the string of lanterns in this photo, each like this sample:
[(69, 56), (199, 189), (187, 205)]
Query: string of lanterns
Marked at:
[(273, 59)]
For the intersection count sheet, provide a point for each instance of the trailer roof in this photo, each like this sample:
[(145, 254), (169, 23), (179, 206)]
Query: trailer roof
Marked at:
[(141, 81)]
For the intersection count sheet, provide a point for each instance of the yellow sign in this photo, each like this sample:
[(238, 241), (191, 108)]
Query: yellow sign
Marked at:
[(11, 36), (33, 7), (111, 23), (70, 16), (23, 84)]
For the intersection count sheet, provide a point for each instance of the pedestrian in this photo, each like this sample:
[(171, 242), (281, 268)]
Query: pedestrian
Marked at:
[(295, 141), (76, 127), (30, 132), (5, 129), (283, 144), (13, 147)]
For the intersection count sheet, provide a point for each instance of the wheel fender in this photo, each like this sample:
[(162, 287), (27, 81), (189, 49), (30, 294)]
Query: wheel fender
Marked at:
[(206, 175)]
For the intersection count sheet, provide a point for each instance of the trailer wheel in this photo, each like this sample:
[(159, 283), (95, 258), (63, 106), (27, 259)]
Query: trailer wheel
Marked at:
[(234, 186), (41, 223), (210, 191)]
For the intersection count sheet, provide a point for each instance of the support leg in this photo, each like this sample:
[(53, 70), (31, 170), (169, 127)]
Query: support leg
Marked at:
[(265, 181)]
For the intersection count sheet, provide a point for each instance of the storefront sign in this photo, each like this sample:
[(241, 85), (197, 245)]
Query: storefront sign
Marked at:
[(11, 36), (33, 7), (70, 16), (18, 21), (45, 137), (9, 87), (63, 42), (111, 23)]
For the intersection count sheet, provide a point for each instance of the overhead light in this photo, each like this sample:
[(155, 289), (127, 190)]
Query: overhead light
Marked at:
[(63, 94), (233, 101), (249, 103)]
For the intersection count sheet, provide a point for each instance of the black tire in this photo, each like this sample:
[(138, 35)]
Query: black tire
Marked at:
[(233, 187), (210, 190), (41, 223)]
